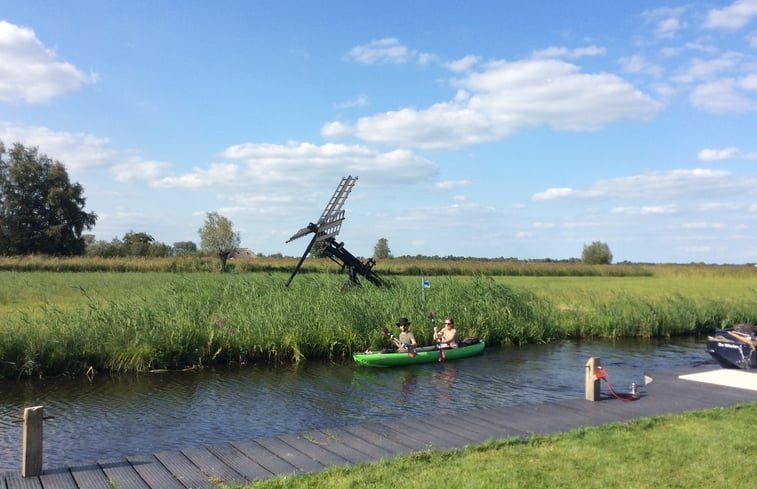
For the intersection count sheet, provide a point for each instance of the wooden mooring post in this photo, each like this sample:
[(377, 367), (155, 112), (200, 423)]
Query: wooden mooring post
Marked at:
[(32, 442), (592, 381)]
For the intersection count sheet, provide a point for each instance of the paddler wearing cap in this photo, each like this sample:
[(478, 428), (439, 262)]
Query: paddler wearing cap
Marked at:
[(405, 337)]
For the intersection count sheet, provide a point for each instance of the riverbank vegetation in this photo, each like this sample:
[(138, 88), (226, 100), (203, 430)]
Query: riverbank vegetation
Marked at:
[(661, 452), (66, 323)]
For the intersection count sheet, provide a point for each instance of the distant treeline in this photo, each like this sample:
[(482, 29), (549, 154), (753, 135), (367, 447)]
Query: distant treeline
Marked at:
[(431, 266), (392, 266)]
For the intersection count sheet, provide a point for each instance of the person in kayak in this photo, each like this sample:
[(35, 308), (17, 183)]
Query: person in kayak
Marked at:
[(407, 339), (447, 337)]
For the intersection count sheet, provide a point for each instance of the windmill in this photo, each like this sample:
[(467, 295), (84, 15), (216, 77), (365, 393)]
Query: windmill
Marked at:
[(326, 229)]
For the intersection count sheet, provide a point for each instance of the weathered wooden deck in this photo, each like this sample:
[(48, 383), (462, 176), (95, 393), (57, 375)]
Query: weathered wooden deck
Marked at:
[(244, 461)]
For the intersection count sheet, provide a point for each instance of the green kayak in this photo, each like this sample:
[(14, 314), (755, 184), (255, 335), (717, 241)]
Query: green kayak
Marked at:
[(425, 354)]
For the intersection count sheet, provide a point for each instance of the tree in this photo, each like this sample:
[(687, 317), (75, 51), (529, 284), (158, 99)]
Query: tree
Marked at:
[(137, 244), (381, 250), (217, 236), (41, 211), (597, 253), (185, 248)]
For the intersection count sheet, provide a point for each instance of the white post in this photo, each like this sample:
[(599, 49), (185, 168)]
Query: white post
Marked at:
[(592, 382)]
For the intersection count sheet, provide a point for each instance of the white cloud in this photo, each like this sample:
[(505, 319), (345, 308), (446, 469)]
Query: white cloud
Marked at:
[(134, 169), (77, 151), (387, 50), (564, 52), (707, 69), (31, 72), (637, 64), (360, 101), (668, 27), (505, 96), (681, 184), (462, 65), (648, 210), (722, 96), (301, 162), (709, 154), (667, 20), (702, 225), (452, 184), (734, 16)]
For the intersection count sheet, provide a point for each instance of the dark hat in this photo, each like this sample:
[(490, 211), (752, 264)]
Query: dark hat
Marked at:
[(403, 322)]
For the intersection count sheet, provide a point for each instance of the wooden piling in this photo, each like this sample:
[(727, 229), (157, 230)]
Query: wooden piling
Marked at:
[(32, 442), (592, 382)]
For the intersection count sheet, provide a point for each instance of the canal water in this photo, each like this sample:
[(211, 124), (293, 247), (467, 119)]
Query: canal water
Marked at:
[(130, 414)]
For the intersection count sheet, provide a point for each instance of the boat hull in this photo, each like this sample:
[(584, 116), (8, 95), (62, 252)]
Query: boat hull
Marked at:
[(733, 349), (422, 355)]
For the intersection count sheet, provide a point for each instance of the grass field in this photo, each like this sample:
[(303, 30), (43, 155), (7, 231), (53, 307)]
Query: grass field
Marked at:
[(712, 448), (64, 322)]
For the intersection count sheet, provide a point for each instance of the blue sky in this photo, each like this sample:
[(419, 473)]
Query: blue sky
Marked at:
[(488, 129)]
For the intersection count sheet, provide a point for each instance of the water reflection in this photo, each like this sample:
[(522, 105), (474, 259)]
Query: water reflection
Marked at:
[(117, 416)]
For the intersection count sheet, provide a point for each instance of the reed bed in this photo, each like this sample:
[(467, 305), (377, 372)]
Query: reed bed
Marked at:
[(65, 323)]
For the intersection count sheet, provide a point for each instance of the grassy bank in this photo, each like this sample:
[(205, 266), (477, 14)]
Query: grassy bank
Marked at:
[(712, 448), (56, 323)]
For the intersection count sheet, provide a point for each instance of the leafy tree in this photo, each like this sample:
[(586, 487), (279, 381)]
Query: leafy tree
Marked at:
[(185, 248), (137, 244), (597, 253), (41, 211), (381, 250), (217, 236)]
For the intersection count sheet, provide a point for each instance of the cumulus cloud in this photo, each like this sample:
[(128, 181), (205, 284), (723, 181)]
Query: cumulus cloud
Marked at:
[(77, 151), (452, 184), (709, 154), (502, 97), (301, 162), (387, 50), (722, 96), (564, 52), (681, 184), (647, 210), (637, 64), (734, 16), (30, 72), (462, 65), (667, 21)]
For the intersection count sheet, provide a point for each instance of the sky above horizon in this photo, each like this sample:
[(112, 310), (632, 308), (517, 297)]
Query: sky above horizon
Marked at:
[(493, 129)]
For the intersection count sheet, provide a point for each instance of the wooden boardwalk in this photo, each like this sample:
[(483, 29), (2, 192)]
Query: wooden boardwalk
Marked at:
[(243, 461)]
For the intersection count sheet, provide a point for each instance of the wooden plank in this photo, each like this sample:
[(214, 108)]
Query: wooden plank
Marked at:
[(153, 472), (184, 470), (15, 481), (378, 439), (447, 428), (474, 426), (3, 475), (405, 439), (303, 463), (271, 462), (374, 452), (332, 443), (436, 438), (313, 450), (212, 466), (121, 474), (499, 427), (238, 461), (89, 476), (58, 478)]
